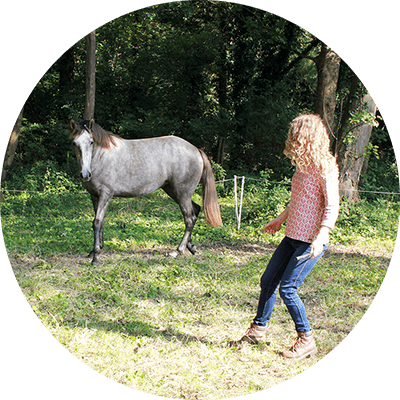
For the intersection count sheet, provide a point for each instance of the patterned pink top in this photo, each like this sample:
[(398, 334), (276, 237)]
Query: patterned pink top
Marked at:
[(314, 203)]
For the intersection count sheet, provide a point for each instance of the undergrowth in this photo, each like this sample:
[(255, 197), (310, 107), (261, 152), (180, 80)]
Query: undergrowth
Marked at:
[(163, 325)]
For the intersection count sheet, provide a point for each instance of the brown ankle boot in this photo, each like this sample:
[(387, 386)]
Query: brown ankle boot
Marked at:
[(255, 334), (305, 346)]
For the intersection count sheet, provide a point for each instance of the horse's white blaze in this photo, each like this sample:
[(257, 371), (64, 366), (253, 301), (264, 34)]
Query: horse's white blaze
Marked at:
[(83, 152)]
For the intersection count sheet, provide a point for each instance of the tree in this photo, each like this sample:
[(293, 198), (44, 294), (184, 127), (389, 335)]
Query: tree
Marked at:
[(328, 63), (90, 75), (355, 136), (227, 77), (12, 145)]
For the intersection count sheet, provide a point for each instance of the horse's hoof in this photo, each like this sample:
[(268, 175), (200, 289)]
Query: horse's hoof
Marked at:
[(191, 248), (96, 260), (174, 254)]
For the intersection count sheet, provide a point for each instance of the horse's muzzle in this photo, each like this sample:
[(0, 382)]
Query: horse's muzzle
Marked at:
[(86, 175)]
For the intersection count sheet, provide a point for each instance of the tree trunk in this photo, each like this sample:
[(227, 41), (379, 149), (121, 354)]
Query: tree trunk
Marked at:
[(351, 154), (11, 147), (221, 151), (90, 75), (351, 104), (222, 93), (328, 63)]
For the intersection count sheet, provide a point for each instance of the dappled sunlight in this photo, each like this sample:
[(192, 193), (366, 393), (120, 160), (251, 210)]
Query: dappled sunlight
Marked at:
[(163, 325)]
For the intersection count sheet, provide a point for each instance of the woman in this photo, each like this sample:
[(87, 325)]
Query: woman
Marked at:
[(312, 212)]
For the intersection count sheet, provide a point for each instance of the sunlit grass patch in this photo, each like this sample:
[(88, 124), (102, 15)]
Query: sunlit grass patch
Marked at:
[(163, 325)]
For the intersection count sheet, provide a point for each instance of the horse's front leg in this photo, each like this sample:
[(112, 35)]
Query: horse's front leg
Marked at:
[(95, 201), (98, 226)]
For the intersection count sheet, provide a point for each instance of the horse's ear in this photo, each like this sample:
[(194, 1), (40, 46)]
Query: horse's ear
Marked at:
[(71, 126), (91, 124)]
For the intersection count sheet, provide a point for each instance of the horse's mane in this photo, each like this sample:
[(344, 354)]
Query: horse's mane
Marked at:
[(103, 138)]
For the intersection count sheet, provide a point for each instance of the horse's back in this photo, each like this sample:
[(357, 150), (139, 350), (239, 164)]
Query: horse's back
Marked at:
[(180, 159), (141, 166), (164, 143), (167, 150)]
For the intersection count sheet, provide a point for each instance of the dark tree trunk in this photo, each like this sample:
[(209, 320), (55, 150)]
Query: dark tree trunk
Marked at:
[(12, 146), (90, 75), (328, 63), (351, 153)]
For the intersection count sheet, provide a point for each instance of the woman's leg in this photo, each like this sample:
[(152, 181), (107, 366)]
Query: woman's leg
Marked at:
[(270, 281), (292, 278)]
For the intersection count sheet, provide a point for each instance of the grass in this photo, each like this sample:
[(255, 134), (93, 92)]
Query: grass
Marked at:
[(163, 325)]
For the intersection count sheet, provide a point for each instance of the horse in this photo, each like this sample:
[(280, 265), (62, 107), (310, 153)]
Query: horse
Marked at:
[(110, 166)]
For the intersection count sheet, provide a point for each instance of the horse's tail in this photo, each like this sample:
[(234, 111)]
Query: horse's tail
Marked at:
[(209, 194)]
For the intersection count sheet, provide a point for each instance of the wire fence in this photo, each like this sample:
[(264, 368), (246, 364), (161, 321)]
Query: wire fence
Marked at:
[(42, 191), (239, 204), (237, 195)]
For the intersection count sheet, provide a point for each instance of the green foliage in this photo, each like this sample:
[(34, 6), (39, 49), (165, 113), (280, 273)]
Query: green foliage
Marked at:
[(378, 218), (195, 69), (362, 116), (264, 200), (212, 73), (382, 173), (166, 323), (42, 176), (130, 223), (58, 181), (218, 171)]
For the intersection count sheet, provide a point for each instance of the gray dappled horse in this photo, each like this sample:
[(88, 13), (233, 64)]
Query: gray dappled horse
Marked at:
[(111, 166)]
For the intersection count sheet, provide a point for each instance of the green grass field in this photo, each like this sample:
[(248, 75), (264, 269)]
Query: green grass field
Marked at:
[(163, 325)]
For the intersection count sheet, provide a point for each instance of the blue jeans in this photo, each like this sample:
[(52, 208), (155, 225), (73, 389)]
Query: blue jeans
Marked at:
[(284, 269)]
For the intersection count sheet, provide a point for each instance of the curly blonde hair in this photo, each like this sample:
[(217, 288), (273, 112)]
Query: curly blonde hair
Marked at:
[(308, 145)]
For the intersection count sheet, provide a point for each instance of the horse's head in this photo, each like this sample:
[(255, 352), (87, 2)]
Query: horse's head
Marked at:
[(82, 137)]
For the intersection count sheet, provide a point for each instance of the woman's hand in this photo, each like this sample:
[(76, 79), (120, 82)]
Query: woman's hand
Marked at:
[(317, 246), (273, 226)]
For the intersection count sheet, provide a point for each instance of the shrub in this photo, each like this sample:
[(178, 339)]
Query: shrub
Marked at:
[(41, 176)]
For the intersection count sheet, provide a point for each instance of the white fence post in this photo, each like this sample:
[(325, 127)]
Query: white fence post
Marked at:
[(236, 200), (238, 211), (241, 202)]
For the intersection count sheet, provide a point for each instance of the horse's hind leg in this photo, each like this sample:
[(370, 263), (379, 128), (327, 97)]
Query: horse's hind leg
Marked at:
[(190, 211), (190, 246)]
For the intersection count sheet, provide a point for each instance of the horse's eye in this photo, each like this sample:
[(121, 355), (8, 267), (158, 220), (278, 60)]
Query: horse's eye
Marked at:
[(91, 142)]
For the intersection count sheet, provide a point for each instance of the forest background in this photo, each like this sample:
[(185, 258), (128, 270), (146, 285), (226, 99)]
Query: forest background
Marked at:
[(227, 77)]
